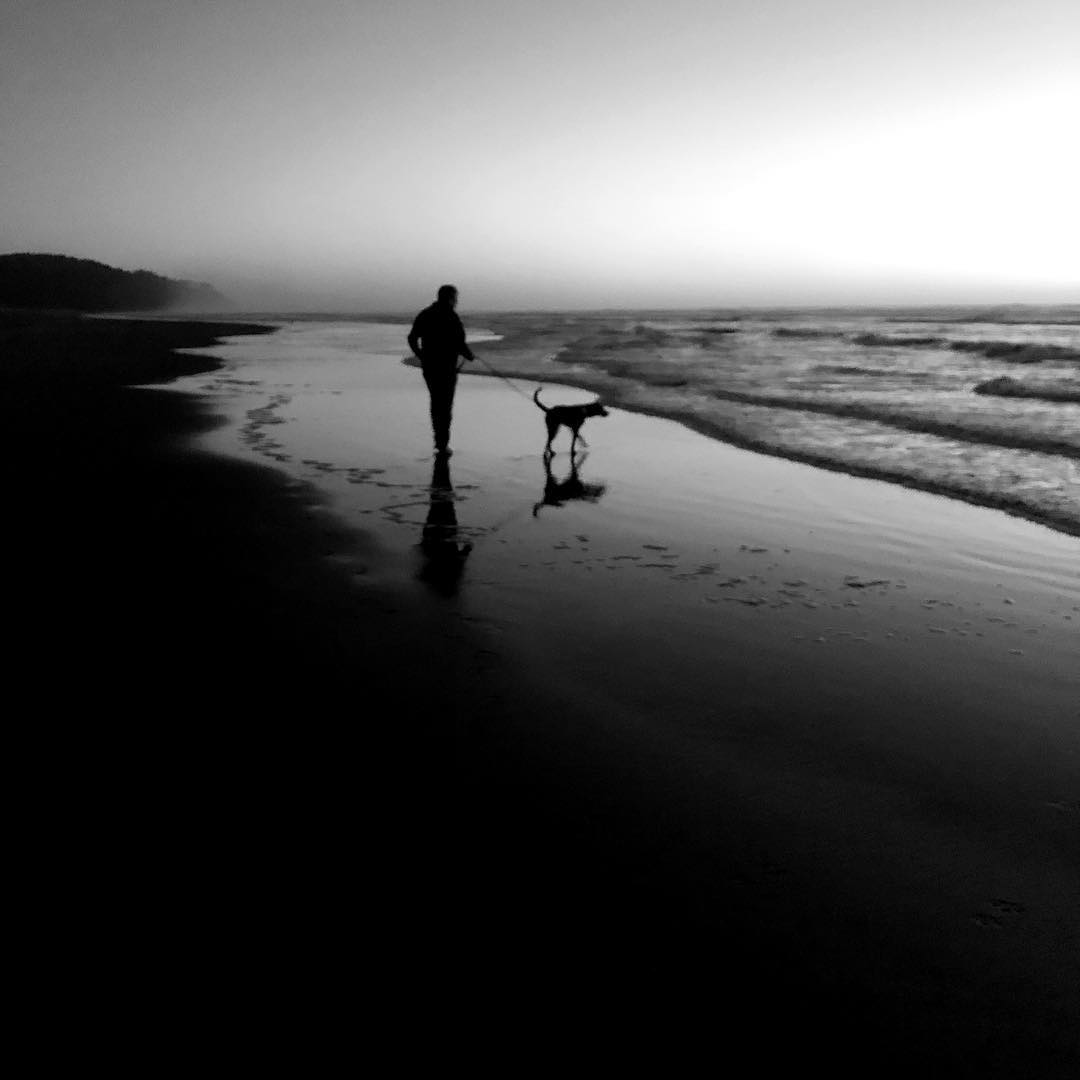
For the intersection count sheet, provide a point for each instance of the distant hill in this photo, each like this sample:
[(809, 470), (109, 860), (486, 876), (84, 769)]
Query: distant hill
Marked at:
[(61, 282)]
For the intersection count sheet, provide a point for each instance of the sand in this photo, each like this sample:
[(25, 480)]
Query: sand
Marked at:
[(723, 717), (715, 750)]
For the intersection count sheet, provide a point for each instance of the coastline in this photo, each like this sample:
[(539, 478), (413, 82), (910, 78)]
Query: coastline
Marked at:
[(525, 807), (850, 391), (730, 434)]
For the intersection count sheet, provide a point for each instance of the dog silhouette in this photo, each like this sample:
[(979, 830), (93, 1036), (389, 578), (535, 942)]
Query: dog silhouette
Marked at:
[(569, 416)]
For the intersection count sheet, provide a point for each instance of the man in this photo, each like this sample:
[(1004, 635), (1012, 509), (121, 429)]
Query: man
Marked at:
[(437, 339)]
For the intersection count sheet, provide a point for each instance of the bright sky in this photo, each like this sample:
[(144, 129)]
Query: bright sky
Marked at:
[(353, 154)]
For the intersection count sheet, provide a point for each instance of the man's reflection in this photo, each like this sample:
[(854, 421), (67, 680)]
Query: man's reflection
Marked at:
[(443, 556)]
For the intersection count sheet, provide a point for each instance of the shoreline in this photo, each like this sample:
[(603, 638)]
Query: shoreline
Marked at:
[(703, 427), (1057, 522)]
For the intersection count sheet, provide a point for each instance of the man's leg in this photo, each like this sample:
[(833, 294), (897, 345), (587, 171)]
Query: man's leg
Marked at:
[(446, 408), (431, 377), (441, 386)]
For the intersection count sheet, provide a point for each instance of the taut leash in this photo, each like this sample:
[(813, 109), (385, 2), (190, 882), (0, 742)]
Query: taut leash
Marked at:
[(498, 374)]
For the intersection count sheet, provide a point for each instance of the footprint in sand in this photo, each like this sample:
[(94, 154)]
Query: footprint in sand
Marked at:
[(702, 571), (730, 582), (999, 914)]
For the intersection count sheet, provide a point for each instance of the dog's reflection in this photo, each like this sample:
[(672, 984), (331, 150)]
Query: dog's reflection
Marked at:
[(571, 487), (443, 556)]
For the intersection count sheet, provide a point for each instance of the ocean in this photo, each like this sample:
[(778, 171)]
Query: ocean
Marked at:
[(978, 405), (982, 406)]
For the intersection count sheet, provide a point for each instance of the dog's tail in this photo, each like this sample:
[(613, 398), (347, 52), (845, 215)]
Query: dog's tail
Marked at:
[(536, 398)]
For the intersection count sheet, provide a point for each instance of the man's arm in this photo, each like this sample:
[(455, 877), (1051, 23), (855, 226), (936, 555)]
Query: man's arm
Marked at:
[(414, 337)]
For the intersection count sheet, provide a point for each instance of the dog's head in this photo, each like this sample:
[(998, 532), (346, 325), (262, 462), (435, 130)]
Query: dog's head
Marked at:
[(595, 408)]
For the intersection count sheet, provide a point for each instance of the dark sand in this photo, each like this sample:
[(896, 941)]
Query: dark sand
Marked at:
[(246, 764)]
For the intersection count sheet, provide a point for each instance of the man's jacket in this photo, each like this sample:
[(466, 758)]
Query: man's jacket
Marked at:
[(437, 335)]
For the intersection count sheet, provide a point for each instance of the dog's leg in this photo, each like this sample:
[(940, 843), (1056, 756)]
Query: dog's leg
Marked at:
[(553, 427)]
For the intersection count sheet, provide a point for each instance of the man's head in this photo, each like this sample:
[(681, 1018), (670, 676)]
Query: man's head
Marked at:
[(447, 294)]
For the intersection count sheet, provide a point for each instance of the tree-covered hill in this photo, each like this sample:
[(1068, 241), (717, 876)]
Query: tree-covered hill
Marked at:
[(62, 282)]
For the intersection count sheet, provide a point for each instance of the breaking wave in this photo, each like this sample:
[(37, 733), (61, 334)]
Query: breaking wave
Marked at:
[(1004, 386)]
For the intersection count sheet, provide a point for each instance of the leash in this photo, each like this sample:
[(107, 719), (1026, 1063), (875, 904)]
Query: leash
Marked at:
[(498, 374)]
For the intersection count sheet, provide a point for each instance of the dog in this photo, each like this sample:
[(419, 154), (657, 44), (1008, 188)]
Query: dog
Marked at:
[(569, 416)]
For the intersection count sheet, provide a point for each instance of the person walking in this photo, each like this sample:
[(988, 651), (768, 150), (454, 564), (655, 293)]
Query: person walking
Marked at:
[(437, 339)]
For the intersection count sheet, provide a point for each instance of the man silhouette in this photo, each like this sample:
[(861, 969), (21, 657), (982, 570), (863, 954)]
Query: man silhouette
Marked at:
[(437, 339)]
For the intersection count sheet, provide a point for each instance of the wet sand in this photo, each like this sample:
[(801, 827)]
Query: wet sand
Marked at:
[(733, 753), (736, 733)]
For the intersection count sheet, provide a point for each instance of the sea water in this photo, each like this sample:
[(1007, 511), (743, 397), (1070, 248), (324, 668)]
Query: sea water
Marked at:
[(979, 405)]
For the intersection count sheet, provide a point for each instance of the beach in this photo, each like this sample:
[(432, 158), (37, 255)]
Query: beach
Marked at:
[(799, 722), (688, 737)]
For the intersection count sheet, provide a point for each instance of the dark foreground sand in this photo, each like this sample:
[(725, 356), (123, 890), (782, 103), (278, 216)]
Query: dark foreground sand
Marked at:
[(251, 777)]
